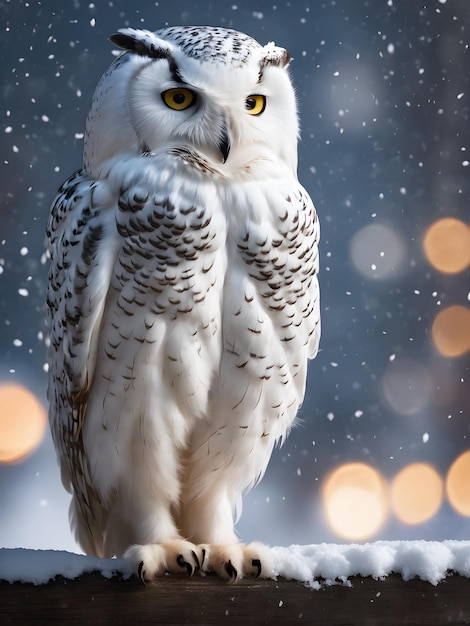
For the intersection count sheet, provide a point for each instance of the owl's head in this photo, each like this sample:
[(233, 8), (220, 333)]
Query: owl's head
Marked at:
[(213, 90)]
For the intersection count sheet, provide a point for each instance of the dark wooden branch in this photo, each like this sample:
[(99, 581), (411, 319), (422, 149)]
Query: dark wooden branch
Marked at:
[(92, 599)]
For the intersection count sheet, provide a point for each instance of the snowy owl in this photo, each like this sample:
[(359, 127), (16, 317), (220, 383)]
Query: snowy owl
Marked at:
[(183, 300)]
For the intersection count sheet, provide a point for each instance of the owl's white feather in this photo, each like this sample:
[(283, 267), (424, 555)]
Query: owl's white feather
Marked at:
[(183, 300)]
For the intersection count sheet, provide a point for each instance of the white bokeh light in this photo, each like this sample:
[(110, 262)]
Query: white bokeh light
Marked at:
[(406, 386), (378, 252)]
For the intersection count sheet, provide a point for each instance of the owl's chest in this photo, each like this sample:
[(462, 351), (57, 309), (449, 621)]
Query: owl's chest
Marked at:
[(172, 240), (273, 231), (183, 225)]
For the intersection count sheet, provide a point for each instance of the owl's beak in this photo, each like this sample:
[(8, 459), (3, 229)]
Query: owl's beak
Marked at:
[(224, 142)]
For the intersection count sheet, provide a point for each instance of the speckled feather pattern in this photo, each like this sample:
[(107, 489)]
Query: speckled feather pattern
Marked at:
[(183, 306), (216, 45)]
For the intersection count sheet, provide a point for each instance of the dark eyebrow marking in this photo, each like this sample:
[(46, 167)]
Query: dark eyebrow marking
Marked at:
[(174, 70), (144, 49)]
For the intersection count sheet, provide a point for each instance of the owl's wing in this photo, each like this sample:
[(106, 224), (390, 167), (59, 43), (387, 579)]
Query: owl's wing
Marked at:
[(83, 246)]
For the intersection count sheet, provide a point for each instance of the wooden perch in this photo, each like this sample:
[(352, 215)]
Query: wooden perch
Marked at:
[(92, 599)]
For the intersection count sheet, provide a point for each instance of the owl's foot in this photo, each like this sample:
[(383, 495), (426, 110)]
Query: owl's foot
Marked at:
[(155, 559), (235, 561)]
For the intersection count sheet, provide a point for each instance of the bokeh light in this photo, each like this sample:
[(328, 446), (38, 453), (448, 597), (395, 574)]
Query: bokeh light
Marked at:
[(416, 493), (447, 245), (355, 502), (406, 386), (23, 422), (458, 484), (378, 252), (451, 331)]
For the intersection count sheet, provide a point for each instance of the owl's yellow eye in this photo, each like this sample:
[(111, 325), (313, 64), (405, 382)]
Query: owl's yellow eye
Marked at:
[(178, 98), (255, 104)]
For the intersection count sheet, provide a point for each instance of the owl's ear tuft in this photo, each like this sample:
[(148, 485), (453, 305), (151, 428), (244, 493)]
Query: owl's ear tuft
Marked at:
[(141, 42), (273, 55)]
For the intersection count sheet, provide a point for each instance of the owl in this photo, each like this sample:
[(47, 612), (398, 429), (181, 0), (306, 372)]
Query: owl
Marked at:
[(183, 300)]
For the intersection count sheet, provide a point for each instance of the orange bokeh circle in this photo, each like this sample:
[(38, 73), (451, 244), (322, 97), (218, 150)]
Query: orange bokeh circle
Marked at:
[(447, 245), (355, 501), (23, 422)]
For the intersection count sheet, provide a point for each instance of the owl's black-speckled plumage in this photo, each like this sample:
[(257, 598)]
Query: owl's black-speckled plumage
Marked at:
[(217, 45), (183, 300)]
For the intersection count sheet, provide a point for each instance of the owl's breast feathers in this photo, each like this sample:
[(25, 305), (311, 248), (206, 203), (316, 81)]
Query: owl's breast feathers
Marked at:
[(162, 269)]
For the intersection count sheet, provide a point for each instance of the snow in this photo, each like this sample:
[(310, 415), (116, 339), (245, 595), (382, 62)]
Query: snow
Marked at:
[(41, 566), (315, 565), (431, 561)]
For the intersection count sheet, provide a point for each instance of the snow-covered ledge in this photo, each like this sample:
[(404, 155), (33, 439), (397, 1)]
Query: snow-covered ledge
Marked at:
[(315, 565)]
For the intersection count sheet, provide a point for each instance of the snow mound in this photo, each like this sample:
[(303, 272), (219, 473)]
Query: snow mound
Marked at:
[(430, 561), (41, 566)]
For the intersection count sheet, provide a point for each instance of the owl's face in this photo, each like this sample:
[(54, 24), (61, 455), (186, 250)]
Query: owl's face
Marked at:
[(214, 91)]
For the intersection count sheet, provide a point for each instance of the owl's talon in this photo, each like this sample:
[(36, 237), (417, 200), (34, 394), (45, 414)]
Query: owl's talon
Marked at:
[(185, 564), (155, 559), (231, 571), (235, 561), (257, 564), (258, 560), (141, 573), (196, 559)]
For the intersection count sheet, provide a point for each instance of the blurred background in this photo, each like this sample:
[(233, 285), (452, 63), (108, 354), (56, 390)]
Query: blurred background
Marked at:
[(382, 446)]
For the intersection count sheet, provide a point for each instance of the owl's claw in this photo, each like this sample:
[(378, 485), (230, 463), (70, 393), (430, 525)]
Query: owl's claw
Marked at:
[(258, 560), (155, 559), (229, 561), (141, 573), (183, 563), (257, 564), (231, 571), (196, 559), (234, 561)]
